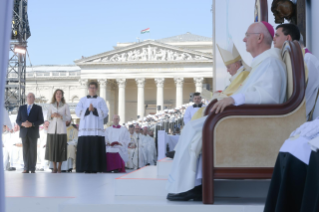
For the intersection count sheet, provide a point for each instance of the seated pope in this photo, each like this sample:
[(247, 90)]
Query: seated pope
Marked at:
[(265, 84)]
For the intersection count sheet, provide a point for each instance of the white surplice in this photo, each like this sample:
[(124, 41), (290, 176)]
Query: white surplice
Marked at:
[(91, 125), (120, 135), (266, 84), (141, 143)]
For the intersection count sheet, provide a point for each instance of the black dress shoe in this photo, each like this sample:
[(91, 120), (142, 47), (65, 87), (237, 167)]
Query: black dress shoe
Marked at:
[(11, 169), (193, 194), (170, 154)]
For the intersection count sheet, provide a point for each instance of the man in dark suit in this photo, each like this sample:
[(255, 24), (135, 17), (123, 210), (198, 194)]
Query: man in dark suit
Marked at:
[(29, 118)]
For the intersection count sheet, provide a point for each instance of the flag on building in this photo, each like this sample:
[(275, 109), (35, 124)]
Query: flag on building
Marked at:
[(145, 31)]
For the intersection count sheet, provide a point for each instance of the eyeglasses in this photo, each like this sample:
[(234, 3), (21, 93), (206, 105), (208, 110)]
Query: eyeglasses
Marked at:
[(247, 34)]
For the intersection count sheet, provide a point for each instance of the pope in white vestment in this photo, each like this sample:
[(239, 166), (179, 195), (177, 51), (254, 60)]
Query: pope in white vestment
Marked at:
[(117, 139), (266, 84), (91, 154)]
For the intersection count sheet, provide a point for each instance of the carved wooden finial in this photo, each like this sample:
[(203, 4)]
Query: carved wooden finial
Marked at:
[(284, 9)]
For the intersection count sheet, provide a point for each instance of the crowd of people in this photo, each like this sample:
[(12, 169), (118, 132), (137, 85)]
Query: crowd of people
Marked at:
[(50, 141), (113, 149)]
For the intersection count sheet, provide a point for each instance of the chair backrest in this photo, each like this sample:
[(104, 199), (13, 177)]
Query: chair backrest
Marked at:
[(286, 57)]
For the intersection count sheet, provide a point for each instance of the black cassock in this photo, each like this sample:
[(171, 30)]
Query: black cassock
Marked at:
[(294, 185)]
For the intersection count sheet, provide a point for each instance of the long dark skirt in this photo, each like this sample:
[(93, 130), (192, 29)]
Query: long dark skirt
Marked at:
[(310, 201), (287, 185), (56, 147), (91, 154)]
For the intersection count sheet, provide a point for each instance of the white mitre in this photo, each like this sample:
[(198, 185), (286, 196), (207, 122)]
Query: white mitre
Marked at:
[(231, 56)]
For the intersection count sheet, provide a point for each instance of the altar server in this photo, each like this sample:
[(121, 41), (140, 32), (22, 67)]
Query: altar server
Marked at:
[(191, 110), (117, 139), (294, 184), (266, 84), (91, 154), (291, 32)]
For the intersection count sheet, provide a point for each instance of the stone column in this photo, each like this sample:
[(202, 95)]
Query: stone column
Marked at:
[(121, 98), (199, 84), (103, 84), (179, 91), (159, 93), (84, 87), (140, 96)]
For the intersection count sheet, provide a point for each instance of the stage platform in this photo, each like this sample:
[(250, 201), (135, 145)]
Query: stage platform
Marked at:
[(137, 191)]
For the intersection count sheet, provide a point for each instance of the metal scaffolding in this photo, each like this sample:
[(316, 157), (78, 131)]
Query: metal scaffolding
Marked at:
[(16, 73)]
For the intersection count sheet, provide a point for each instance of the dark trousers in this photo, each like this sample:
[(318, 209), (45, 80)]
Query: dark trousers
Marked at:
[(29, 153)]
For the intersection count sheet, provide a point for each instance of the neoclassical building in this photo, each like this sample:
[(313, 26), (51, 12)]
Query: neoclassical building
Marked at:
[(135, 79)]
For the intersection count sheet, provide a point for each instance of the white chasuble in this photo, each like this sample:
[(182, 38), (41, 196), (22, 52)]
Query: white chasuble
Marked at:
[(266, 84), (91, 124), (122, 136)]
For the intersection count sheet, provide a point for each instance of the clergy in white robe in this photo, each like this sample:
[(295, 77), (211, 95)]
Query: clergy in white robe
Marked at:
[(191, 110), (117, 139), (266, 84), (16, 153), (5, 152), (91, 154), (141, 151), (150, 147), (132, 149), (41, 162), (6, 119)]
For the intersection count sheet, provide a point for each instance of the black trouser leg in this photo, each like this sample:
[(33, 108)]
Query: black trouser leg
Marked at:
[(32, 153), (25, 147)]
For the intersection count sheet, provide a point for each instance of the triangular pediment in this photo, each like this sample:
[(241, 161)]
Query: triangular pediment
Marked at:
[(146, 52)]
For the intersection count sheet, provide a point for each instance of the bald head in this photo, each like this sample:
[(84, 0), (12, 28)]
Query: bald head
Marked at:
[(257, 39), (116, 119), (30, 98)]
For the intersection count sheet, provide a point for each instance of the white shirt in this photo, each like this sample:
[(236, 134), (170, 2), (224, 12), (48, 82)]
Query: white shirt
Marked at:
[(190, 111), (266, 83), (91, 125)]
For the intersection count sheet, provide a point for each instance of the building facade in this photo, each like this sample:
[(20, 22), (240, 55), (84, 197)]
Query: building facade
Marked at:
[(135, 79)]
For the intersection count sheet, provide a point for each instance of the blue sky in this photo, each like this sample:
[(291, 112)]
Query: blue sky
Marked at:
[(63, 31)]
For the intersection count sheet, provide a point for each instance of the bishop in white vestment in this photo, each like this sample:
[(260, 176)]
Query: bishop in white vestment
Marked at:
[(117, 139), (92, 110), (266, 84)]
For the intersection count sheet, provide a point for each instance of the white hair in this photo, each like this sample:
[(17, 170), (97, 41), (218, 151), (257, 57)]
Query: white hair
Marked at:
[(32, 94)]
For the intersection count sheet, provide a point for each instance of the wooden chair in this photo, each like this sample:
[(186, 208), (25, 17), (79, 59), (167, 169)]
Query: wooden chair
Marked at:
[(243, 142)]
